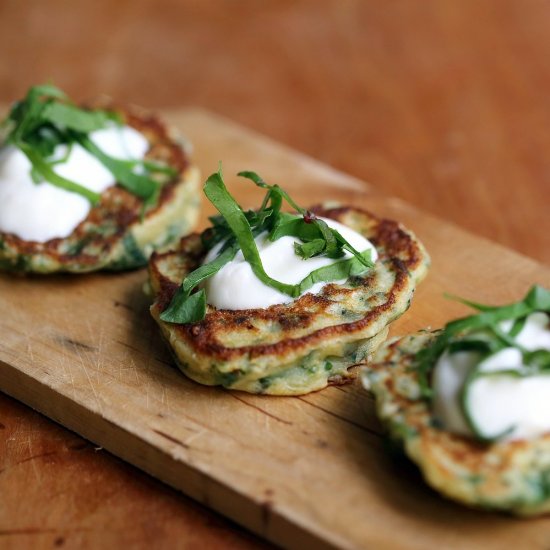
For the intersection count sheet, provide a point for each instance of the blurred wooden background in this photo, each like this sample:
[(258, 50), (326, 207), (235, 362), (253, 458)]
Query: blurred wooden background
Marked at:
[(442, 103)]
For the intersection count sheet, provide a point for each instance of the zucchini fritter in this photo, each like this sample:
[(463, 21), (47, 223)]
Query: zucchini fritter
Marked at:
[(114, 236), (511, 476), (302, 346)]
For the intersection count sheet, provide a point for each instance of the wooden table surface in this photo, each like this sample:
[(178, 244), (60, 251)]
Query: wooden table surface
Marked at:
[(442, 103)]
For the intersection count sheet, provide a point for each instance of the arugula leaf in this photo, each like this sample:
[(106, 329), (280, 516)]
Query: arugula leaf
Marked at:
[(277, 191), (186, 307), (48, 90), (288, 225), (141, 186), (334, 272), (332, 250), (517, 326), (309, 249), (538, 360), (205, 271), (42, 168), (73, 118), (347, 246), (538, 298)]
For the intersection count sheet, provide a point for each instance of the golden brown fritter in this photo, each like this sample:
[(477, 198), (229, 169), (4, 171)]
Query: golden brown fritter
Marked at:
[(512, 476), (113, 236), (302, 346)]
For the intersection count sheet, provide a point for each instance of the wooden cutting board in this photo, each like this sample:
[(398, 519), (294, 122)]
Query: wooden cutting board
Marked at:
[(308, 471)]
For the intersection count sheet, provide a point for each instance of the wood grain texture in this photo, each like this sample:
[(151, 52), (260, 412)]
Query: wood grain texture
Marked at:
[(441, 103), (59, 490), (309, 471)]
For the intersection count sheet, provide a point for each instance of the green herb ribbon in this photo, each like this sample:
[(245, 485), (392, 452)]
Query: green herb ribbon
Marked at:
[(46, 119), (237, 230), (483, 335)]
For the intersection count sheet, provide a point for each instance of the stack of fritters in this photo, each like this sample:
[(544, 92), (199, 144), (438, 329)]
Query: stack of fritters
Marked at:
[(302, 346)]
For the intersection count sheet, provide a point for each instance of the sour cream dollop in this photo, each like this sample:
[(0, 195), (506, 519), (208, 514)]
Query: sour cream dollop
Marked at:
[(236, 287), (40, 212), (501, 403)]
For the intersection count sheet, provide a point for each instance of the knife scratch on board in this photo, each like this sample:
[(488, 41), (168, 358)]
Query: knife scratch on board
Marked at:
[(29, 346), (193, 437), (99, 344), (90, 382), (62, 371), (133, 367)]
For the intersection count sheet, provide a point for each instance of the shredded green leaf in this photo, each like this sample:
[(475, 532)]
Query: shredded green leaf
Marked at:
[(139, 185), (46, 118), (71, 117), (184, 308), (43, 168), (238, 229), (455, 333), (483, 334), (309, 249)]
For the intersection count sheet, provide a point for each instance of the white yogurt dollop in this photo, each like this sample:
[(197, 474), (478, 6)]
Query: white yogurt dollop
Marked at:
[(497, 403), (236, 287), (40, 212)]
